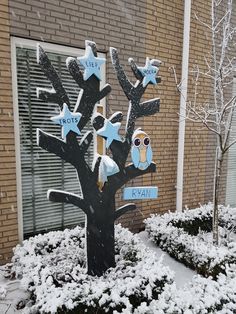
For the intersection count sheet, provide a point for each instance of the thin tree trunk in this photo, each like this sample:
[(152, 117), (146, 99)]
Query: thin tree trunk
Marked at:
[(216, 191)]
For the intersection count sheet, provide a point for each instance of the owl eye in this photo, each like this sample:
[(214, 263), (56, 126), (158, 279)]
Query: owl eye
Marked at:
[(146, 141), (137, 142)]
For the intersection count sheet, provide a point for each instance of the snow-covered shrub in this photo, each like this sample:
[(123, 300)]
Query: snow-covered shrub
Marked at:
[(172, 232), (53, 268), (202, 295)]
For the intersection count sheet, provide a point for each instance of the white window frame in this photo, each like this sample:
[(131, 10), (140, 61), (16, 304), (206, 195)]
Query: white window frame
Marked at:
[(48, 47), (228, 181)]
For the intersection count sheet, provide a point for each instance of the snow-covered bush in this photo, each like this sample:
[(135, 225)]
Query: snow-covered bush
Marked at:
[(53, 268), (203, 295), (176, 234)]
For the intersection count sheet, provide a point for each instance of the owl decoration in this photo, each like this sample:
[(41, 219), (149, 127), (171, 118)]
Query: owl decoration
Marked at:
[(141, 151)]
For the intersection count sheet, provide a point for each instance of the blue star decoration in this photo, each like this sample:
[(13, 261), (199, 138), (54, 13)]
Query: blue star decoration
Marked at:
[(149, 73), (92, 64), (68, 121), (110, 132)]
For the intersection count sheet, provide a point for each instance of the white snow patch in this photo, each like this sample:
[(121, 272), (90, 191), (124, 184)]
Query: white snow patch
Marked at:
[(11, 293), (183, 274)]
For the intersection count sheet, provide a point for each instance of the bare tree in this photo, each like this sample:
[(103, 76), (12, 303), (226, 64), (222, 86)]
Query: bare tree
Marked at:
[(216, 114), (97, 202)]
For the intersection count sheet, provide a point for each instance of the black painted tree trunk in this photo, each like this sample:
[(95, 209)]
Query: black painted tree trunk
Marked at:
[(98, 204), (100, 239)]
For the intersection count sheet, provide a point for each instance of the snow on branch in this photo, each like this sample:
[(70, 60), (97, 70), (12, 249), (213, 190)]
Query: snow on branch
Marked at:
[(126, 85), (69, 198), (149, 107), (216, 117), (49, 95), (124, 209), (52, 76)]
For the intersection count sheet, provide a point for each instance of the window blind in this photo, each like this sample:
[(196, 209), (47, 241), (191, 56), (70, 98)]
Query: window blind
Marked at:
[(41, 170), (231, 167)]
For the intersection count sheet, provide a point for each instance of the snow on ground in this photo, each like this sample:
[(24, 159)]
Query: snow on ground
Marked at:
[(183, 275), (10, 294)]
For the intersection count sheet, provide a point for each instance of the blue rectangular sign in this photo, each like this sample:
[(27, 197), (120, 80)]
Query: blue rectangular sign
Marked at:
[(140, 193)]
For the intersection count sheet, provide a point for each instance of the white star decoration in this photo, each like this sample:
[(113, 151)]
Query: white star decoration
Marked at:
[(110, 132), (149, 73), (92, 64), (68, 121)]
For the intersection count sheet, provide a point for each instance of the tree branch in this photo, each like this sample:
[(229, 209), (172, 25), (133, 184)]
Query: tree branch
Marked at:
[(52, 76), (116, 181), (122, 78), (75, 72), (86, 141), (124, 209), (90, 93), (49, 96), (228, 127), (92, 44), (201, 119), (77, 75), (70, 152), (149, 107), (96, 167), (135, 69), (69, 198), (54, 145), (228, 147), (201, 22), (119, 149), (116, 117), (136, 110), (104, 92)]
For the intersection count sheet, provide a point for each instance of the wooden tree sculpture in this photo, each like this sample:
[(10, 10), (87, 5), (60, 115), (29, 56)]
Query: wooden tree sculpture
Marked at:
[(98, 201)]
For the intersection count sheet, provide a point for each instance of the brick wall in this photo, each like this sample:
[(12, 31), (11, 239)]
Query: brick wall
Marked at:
[(108, 23), (8, 209), (151, 28), (138, 29), (165, 31), (164, 40), (198, 142)]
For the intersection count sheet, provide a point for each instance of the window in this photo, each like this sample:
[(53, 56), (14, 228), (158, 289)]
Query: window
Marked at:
[(38, 169), (231, 166)]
